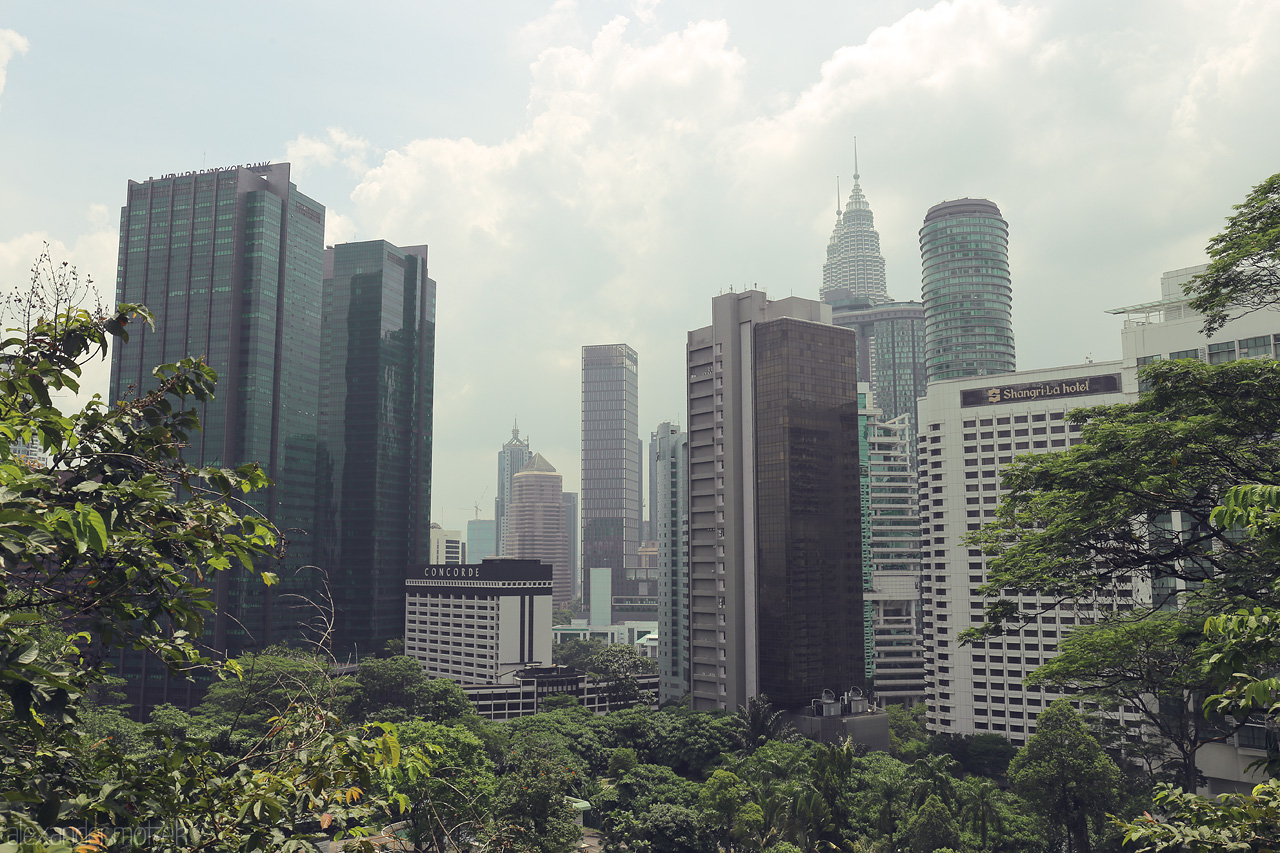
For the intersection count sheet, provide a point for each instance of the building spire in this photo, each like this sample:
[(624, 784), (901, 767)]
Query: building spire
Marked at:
[(855, 159), (515, 428), (837, 195)]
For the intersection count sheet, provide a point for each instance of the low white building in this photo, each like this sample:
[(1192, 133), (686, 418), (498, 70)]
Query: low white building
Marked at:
[(476, 623)]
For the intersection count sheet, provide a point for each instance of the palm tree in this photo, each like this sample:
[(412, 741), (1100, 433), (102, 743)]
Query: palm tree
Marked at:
[(893, 788), (935, 774), (758, 723), (980, 806)]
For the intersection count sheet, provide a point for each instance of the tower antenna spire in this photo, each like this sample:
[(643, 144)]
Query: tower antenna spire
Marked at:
[(855, 158), (837, 195)]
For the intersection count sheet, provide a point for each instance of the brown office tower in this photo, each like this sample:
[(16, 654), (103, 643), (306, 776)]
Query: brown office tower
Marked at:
[(535, 524), (776, 581)]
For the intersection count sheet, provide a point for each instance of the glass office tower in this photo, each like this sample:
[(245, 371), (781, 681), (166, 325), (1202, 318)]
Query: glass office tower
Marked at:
[(378, 364), (967, 294), (610, 495), (229, 260)]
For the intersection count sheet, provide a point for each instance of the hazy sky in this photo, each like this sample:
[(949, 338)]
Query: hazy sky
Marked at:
[(594, 172)]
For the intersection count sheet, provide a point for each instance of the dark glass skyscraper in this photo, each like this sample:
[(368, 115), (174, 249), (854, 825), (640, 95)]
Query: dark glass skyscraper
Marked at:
[(775, 506), (611, 490), (967, 294), (378, 364), (229, 260)]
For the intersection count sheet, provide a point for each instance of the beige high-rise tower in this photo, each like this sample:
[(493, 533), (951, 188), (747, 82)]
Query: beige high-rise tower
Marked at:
[(535, 524)]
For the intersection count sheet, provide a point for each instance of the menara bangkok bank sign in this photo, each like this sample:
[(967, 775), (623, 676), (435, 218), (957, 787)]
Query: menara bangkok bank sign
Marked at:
[(1107, 383)]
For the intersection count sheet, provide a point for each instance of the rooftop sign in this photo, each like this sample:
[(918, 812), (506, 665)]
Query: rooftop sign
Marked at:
[(1107, 383)]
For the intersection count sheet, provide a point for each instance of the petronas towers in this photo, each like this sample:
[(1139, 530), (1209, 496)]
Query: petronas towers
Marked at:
[(854, 261)]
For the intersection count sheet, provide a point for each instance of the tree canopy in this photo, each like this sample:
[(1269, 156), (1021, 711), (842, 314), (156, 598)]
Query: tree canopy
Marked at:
[(1244, 268)]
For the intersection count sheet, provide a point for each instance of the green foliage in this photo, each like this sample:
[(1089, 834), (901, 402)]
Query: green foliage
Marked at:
[(618, 666), (1081, 523), (1244, 268), (1153, 665), (118, 538), (984, 755), (577, 653), (932, 828), (908, 737), (1065, 776), (622, 761), (758, 723), (1231, 822), (530, 812), (269, 686), (456, 799), (397, 689)]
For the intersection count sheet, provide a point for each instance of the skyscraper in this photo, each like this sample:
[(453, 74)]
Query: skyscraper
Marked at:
[(378, 328), (571, 537), (669, 517), (776, 585), (229, 260), (968, 298), (611, 487), (512, 458), (853, 260), (890, 349), (535, 523)]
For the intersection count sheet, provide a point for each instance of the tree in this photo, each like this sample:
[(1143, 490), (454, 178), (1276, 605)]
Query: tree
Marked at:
[(1244, 269), (759, 723), (397, 689), (530, 812), (270, 684), (1155, 666), (908, 737), (980, 806), (1065, 776), (115, 540), (933, 828), (577, 653), (1246, 822), (1083, 524), (619, 666)]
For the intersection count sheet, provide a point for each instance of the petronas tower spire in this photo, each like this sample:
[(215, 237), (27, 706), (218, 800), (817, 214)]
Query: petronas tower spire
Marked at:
[(854, 261)]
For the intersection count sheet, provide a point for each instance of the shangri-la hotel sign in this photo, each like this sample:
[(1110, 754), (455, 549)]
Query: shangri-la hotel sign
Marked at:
[(1107, 383)]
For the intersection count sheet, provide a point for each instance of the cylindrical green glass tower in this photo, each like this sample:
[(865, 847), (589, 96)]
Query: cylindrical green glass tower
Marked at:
[(968, 300)]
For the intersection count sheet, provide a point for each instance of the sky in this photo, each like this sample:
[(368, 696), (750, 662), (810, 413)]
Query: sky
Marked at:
[(596, 171)]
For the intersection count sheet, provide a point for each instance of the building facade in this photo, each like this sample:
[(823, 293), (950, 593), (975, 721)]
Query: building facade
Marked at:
[(669, 516), (966, 290), (375, 428), (447, 547), (535, 524), (969, 429), (475, 623), (892, 525), (611, 487), (890, 349), (230, 262), (571, 537), (512, 458), (482, 539), (854, 262), (775, 507)]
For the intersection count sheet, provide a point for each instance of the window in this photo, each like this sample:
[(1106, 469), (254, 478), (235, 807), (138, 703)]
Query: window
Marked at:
[(1223, 352)]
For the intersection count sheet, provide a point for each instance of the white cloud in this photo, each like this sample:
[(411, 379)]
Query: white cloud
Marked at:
[(336, 148), (650, 173), (11, 44)]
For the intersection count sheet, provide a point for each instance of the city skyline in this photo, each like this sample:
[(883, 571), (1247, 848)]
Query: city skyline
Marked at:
[(624, 228)]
